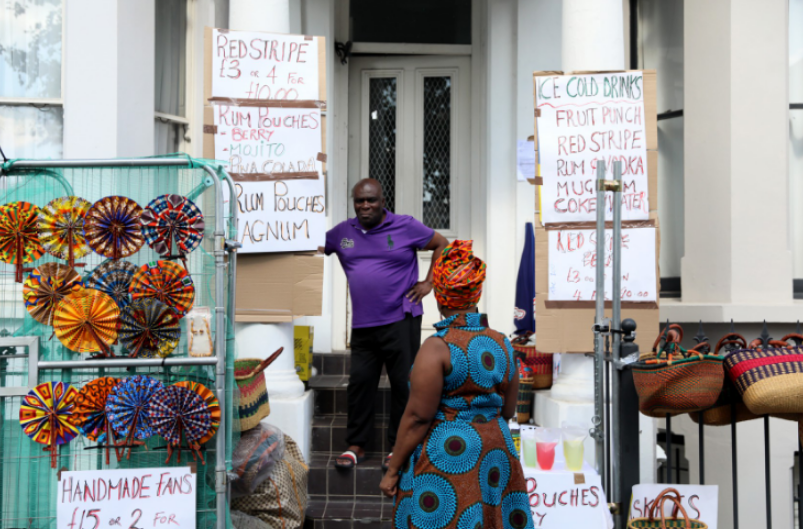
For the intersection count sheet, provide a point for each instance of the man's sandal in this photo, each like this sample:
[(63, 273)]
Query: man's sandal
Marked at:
[(351, 460)]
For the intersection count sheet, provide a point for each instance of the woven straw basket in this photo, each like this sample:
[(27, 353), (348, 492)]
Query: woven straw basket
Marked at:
[(524, 403), (254, 405), (657, 519), (541, 363), (769, 380)]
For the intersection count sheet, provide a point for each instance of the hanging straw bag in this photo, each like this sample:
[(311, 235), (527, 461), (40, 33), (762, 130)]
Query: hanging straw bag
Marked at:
[(677, 381), (770, 380), (541, 363), (657, 518), (254, 405)]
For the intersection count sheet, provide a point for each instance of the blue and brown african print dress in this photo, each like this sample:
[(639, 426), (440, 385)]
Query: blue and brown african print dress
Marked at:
[(466, 474)]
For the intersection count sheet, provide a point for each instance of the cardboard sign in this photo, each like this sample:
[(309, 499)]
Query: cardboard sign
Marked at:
[(583, 118), (573, 261), (146, 497), (559, 500), (268, 66), (700, 501), (275, 158)]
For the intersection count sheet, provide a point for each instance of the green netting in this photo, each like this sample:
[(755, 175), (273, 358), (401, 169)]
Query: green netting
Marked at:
[(27, 482)]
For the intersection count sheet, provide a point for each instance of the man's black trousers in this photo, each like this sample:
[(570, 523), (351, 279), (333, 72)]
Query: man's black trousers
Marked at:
[(393, 345)]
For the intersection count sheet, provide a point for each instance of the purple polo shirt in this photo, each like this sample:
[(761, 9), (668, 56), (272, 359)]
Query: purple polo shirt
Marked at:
[(381, 266)]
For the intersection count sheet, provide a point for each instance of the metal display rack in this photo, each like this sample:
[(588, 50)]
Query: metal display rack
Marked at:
[(38, 364)]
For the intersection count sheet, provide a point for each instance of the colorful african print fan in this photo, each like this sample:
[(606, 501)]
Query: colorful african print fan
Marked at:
[(167, 282), (149, 329), (175, 412), (113, 278), (211, 401), (89, 413), (19, 236), (127, 409), (46, 285), (113, 227), (61, 228), (45, 414), (173, 223), (86, 321)]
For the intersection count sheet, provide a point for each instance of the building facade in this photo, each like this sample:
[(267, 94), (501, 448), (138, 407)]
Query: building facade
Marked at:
[(431, 97)]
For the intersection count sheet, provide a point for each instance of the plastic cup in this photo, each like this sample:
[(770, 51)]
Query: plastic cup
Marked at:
[(528, 446), (573, 440), (546, 439)]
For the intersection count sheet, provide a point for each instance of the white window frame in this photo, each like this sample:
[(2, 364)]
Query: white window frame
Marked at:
[(40, 102), (185, 122)]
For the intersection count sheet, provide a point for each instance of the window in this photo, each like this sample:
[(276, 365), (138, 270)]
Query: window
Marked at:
[(659, 41), (412, 21), (171, 63), (31, 115)]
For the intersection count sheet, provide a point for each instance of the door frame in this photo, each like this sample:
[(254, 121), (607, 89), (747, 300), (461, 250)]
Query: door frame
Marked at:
[(340, 206)]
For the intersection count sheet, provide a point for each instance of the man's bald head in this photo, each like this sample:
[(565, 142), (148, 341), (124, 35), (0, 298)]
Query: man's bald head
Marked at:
[(371, 183), (369, 203)]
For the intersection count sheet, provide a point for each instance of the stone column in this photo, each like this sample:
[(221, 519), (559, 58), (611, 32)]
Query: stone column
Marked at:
[(593, 39)]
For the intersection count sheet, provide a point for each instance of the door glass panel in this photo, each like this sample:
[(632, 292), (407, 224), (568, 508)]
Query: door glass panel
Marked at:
[(437, 151), (382, 136), (411, 21)]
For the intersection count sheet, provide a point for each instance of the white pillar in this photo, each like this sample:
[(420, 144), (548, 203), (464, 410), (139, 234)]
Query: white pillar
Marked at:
[(272, 16), (593, 39), (260, 340)]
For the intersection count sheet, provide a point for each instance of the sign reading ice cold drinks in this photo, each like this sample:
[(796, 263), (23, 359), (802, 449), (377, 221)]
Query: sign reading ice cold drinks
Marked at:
[(119, 499), (268, 126), (262, 145), (573, 261), (582, 119)]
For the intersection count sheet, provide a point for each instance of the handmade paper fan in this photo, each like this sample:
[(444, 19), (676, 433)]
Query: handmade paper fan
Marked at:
[(112, 227), (127, 408), (175, 412), (113, 278), (149, 329), (89, 412), (86, 321), (45, 414), (167, 282), (46, 285), (172, 223), (19, 236), (61, 228), (211, 401)]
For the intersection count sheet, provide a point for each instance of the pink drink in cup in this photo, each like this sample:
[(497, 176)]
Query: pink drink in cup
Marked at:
[(546, 454), (545, 441)]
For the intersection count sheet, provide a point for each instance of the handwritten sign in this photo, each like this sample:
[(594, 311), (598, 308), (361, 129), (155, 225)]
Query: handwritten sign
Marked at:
[(573, 261), (274, 158), (700, 501), (582, 119), (558, 501), (147, 497), (252, 65)]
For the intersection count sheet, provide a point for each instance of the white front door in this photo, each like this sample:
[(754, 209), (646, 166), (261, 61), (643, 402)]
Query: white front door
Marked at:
[(410, 128)]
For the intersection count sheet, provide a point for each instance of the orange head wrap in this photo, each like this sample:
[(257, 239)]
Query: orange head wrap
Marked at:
[(458, 276)]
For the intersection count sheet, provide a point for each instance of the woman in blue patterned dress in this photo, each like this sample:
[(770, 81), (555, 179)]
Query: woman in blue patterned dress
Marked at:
[(454, 464)]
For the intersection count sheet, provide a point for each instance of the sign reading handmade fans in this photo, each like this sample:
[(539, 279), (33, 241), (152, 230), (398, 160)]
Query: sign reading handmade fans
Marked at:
[(583, 118), (266, 95), (573, 261), (146, 497), (273, 155)]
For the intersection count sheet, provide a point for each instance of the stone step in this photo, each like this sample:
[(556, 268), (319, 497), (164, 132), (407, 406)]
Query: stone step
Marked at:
[(366, 513), (331, 397), (344, 484), (329, 435)]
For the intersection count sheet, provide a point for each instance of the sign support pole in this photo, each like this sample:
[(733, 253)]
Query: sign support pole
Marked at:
[(600, 328)]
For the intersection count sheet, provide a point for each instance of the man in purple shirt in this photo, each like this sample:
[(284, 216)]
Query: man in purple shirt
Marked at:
[(378, 251)]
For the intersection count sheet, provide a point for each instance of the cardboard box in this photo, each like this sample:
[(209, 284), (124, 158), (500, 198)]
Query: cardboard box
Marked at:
[(303, 336), (277, 287)]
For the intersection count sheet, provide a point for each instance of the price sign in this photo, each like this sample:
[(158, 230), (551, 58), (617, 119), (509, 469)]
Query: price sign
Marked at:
[(127, 499)]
